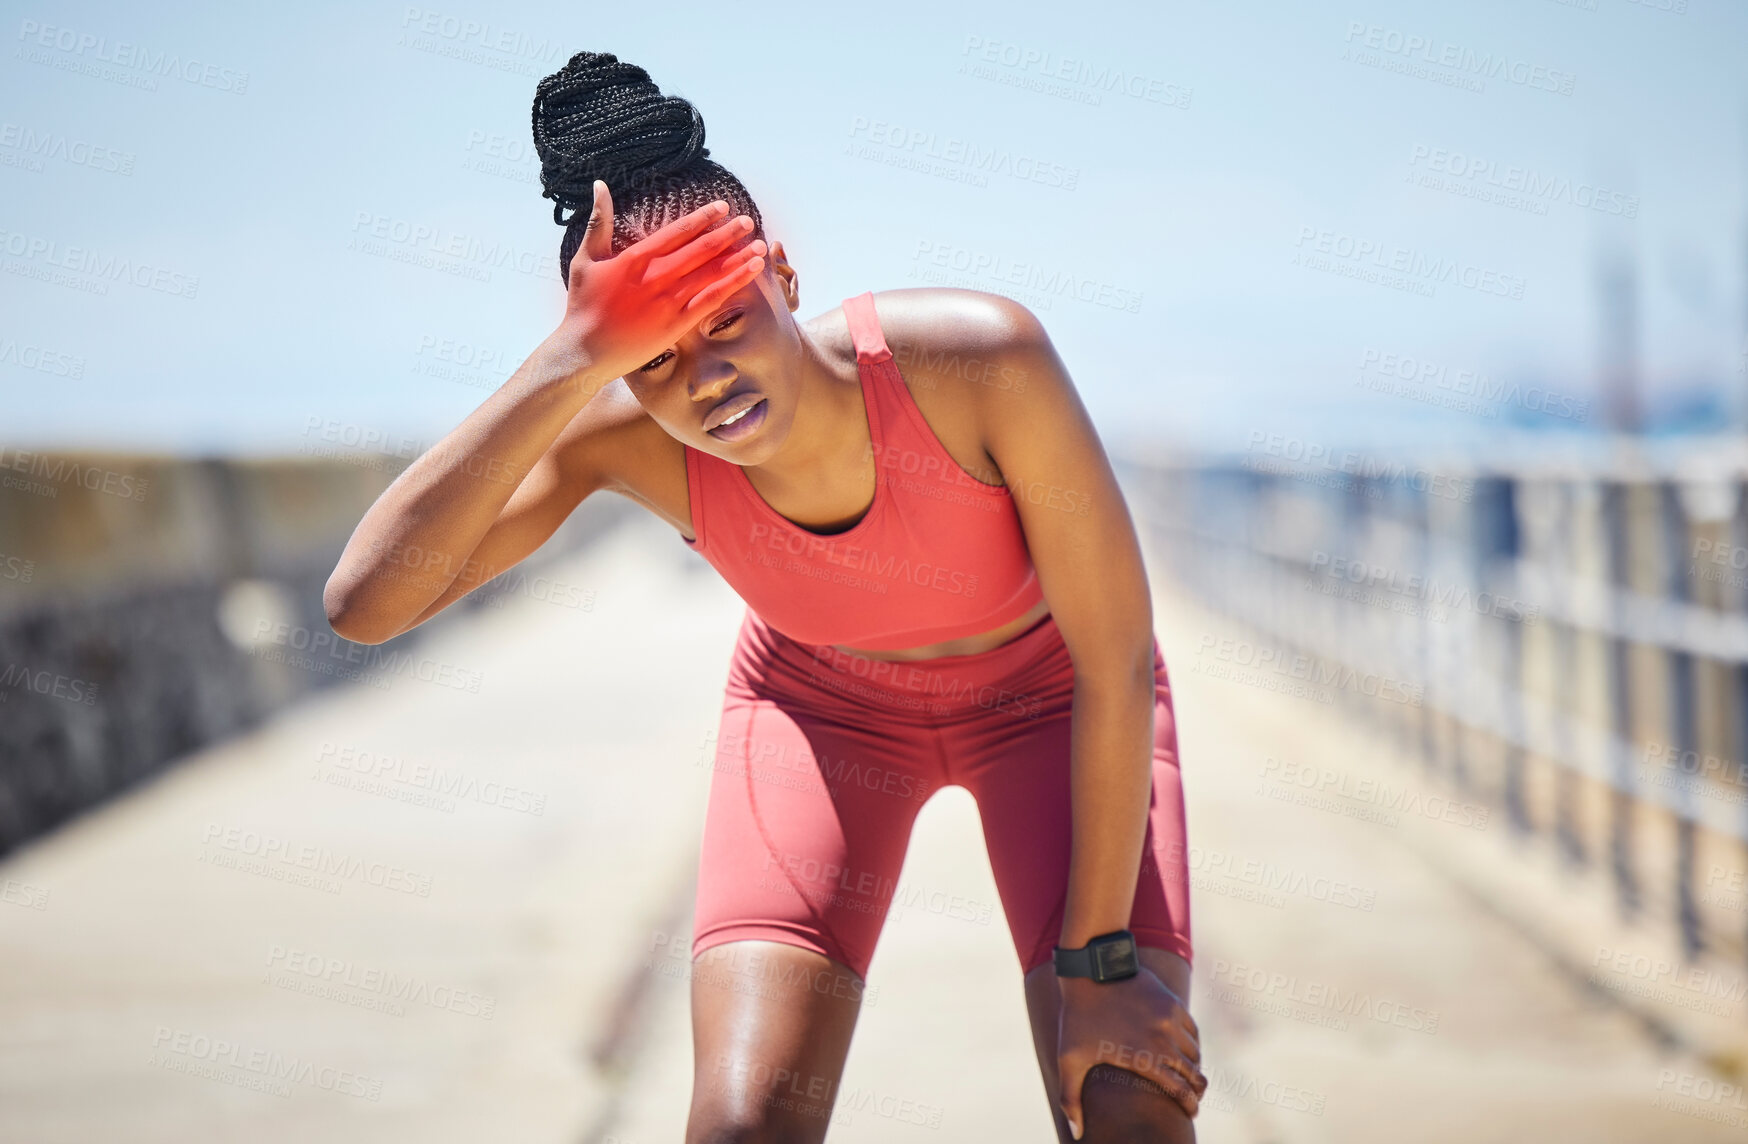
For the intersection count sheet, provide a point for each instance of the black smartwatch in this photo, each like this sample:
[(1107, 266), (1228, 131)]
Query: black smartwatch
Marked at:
[(1107, 957)]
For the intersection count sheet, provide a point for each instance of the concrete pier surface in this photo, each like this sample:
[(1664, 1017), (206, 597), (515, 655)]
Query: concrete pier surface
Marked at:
[(451, 903)]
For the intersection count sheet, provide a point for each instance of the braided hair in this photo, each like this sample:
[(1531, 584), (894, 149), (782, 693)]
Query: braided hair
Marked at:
[(600, 118)]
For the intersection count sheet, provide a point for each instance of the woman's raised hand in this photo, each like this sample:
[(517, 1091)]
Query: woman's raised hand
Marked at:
[(625, 309)]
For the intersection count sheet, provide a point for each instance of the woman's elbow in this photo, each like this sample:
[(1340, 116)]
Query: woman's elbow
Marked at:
[(348, 616)]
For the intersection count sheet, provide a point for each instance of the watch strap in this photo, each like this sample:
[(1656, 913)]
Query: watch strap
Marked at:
[(1107, 957)]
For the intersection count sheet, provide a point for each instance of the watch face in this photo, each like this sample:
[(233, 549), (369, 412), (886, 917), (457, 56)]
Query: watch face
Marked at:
[(1116, 959)]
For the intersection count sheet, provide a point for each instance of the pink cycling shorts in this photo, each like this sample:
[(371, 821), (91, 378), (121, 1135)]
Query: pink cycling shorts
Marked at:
[(823, 759)]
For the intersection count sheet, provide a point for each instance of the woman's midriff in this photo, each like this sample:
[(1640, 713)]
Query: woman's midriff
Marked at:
[(964, 645)]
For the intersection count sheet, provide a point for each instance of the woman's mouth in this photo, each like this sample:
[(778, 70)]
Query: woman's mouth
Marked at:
[(741, 422)]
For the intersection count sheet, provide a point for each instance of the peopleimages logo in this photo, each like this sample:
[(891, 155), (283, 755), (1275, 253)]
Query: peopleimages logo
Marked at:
[(431, 778), (227, 843), (64, 471), (1526, 181), (55, 363), (903, 141), (1382, 370), (1093, 79), (467, 255), (1313, 994), (135, 64), (1312, 455), (24, 146), (369, 987), (226, 1061), (860, 559), (1417, 49), (20, 677), (101, 268), (1309, 670), (1419, 271), (1423, 587), (477, 42), (1047, 283)]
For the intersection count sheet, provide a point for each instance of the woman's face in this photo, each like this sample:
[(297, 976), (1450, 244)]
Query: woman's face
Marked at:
[(743, 359)]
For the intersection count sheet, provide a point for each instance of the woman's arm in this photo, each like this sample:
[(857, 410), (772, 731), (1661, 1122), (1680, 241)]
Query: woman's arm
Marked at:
[(1084, 546), (492, 491), (476, 503)]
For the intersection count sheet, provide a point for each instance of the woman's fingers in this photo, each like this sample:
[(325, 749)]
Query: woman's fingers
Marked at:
[(1184, 1030), (1186, 1098), (1169, 1064), (1186, 1022), (1185, 1038), (676, 234), (1173, 1071), (673, 267), (1181, 1080), (598, 234), (685, 286), (738, 269)]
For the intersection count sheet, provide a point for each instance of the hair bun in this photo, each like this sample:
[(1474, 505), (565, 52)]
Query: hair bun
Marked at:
[(600, 118)]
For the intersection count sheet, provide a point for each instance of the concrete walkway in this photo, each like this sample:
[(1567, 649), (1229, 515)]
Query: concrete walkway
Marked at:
[(420, 913)]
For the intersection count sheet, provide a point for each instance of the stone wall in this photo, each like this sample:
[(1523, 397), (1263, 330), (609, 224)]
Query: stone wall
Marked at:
[(148, 606)]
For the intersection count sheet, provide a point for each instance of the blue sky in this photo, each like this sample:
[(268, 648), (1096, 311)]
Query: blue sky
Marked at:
[(325, 220)]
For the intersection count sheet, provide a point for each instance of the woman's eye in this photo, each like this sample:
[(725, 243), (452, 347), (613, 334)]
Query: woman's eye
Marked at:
[(656, 363)]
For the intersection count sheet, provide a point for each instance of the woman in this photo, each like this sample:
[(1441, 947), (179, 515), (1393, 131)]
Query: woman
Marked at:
[(944, 587)]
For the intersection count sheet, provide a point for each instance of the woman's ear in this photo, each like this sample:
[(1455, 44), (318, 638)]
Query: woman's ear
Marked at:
[(777, 262)]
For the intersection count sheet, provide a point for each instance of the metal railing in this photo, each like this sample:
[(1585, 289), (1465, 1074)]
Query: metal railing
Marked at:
[(1560, 632)]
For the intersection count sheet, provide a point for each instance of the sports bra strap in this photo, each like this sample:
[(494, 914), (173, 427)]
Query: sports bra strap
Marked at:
[(865, 328)]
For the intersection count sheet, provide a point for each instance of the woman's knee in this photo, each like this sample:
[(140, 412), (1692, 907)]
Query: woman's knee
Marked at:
[(1122, 1107), (731, 1115)]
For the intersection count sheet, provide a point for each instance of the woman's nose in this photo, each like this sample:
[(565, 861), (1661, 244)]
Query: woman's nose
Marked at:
[(712, 379)]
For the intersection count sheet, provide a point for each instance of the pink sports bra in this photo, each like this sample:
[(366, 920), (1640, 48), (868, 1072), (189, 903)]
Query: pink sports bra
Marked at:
[(939, 554)]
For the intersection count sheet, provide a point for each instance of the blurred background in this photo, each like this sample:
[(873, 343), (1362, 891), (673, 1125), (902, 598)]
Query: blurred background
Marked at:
[(1418, 333)]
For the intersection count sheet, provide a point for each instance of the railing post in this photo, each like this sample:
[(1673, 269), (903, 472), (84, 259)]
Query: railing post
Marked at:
[(1619, 716), (1499, 541), (1682, 724)]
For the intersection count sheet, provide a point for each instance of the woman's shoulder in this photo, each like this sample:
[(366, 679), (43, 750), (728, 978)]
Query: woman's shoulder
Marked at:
[(944, 318), (614, 444), (613, 426), (964, 356), (927, 325), (966, 343)]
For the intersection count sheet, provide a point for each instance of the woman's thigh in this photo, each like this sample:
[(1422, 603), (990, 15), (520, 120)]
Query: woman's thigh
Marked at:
[(771, 1027), (1019, 773), (805, 832), (809, 816)]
